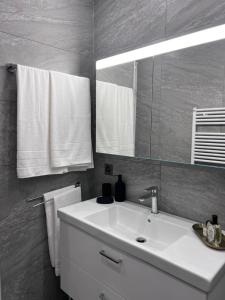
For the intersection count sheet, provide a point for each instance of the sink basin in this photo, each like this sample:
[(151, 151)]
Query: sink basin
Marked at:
[(164, 241), (155, 231)]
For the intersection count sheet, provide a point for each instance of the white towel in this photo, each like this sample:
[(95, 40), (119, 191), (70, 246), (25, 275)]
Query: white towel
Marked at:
[(64, 199), (33, 123), (115, 119), (125, 104), (49, 211), (70, 129)]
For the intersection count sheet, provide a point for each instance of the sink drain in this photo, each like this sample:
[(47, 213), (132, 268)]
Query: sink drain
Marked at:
[(141, 240)]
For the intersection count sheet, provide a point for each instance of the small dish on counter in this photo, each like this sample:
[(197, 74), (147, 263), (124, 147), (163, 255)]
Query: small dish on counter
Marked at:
[(198, 229)]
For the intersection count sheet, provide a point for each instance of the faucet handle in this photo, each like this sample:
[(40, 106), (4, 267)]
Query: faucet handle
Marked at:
[(153, 189), (141, 200)]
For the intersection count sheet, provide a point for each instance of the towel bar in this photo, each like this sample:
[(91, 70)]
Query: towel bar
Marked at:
[(77, 184), (11, 68)]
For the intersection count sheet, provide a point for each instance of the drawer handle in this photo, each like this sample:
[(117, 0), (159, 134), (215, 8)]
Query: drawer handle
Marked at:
[(116, 261), (102, 296)]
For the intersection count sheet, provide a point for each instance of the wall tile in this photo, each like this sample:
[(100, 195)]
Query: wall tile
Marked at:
[(65, 24), (137, 174), (125, 25), (121, 75), (62, 9), (8, 111), (21, 51), (193, 192), (7, 85), (144, 107), (189, 15), (49, 35)]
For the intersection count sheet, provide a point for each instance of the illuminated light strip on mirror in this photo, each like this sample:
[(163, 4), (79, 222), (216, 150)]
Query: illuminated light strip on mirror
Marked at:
[(186, 41)]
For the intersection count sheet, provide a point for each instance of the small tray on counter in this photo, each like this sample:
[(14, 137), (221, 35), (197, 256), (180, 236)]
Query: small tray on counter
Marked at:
[(198, 229)]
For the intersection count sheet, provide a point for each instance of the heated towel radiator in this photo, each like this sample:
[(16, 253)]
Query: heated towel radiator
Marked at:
[(208, 146)]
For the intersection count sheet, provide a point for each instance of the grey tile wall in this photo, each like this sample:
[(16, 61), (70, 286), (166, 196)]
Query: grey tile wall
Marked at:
[(122, 25), (121, 75), (191, 192), (144, 107), (59, 36), (51, 35), (187, 16), (137, 174)]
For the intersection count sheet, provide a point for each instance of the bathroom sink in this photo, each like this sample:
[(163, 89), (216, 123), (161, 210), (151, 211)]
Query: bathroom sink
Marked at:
[(164, 241), (139, 225)]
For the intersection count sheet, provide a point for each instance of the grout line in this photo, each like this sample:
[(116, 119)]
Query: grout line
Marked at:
[(38, 42), (151, 113), (166, 18)]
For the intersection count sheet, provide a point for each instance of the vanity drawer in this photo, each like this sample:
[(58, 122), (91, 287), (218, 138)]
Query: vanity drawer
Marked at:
[(132, 278), (79, 285)]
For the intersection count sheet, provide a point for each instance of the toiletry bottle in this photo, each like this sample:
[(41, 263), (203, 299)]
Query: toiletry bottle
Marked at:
[(214, 220), (204, 230), (218, 235), (211, 229), (210, 232), (218, 231), (120, 190)]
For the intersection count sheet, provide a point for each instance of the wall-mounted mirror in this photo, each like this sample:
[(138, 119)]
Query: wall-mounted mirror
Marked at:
[(170, 107)]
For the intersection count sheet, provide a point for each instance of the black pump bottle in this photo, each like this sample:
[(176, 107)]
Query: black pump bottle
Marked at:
[(120, 190)]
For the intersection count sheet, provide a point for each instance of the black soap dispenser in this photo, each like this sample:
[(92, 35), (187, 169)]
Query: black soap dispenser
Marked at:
[(120, 190)]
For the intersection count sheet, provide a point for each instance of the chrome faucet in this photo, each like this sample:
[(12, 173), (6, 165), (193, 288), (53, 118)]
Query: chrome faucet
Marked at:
[(150, 198)]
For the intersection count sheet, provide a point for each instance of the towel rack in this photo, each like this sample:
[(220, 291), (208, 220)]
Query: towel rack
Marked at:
[(11, 68), (77, 184), (208, 147)]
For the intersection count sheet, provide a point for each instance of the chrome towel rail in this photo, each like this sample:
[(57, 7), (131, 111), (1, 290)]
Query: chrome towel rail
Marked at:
[(77, 184), (11, 68)]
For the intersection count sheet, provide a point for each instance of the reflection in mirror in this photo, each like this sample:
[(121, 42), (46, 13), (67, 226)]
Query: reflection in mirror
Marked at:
[(169, 111), (183, 80), (116, 110), (124, 118)]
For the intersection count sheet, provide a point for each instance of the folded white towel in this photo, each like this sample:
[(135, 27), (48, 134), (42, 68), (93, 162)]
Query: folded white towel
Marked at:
[(49, 211), (70, 119), (33, 123), (62, 200)]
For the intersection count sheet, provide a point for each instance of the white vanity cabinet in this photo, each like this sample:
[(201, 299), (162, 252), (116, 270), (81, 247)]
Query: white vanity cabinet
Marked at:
[(93, 270), (79, 284)]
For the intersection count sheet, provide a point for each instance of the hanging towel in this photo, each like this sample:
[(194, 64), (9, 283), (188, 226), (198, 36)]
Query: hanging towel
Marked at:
[(125, 103), (115, 119), (70, 125), (33, 123), (49, 211), (64, 199)]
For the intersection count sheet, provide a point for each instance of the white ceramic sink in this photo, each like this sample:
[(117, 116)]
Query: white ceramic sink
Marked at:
[(171, 245), (158, 231)]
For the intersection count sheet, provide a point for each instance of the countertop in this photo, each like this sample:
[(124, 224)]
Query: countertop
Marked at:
[(187, 259)]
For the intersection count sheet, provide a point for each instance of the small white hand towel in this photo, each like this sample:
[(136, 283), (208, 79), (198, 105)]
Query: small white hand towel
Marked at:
[(33, 123), (64, 199), (49, 211), (70, 125)]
